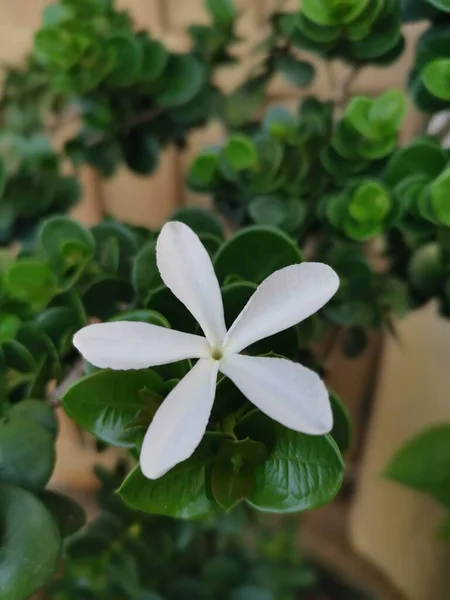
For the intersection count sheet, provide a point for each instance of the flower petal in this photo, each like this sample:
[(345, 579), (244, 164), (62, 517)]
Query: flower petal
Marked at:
[(187, 271), (180, 422), (285, 298), (287, 392), (124, 345)]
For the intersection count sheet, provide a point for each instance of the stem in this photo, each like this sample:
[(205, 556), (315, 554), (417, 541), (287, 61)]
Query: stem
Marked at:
[(72, 377), (341, 91)]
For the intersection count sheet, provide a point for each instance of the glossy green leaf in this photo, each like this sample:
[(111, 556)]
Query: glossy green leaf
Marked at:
[(108, 403), (24, 442), (254, 253), (154, 60), (424, 463), (180, 494), (370, 202), (331, 12), (203, 170), (301, 473), (422, 156), (30, 549), (128, 58), (388, 112)]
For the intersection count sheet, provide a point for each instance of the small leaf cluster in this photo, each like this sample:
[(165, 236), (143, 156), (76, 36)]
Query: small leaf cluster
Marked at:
[(32, 185), (132, 94), (429, 80), (358, 31)]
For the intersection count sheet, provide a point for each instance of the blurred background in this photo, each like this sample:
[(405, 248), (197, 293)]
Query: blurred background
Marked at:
[(378, 534)]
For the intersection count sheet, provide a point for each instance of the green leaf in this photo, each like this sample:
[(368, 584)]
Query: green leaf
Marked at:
[(32, 281), (441, 4), (39, 412), (9, 326), (222, 11), (297, 72), (444, 530), (436, 77), (301, 473), (141, 149), (142, 315), (424, 463), (268, 210), (24, 442), (127, 242), (440, 197), (426, 270), (342, 424), (203, 170), (332, 12), (18, 357), (251, 592), (254, 253), (240, 152), (68, 514), (422, 156), (128, 54), (388, 112), (184, 78), (199, 220), (154, 60), (357, 114), (66, 243), (370, 202), (231, 483), (30, 548), (116, 290), (145, 275), (180, 493), (107, 404)]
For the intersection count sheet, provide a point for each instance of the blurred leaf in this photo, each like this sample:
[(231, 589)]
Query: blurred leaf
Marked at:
[(424, 463), (297, 72), (31, 544), (68, 514), (31, 280), (184, 77)]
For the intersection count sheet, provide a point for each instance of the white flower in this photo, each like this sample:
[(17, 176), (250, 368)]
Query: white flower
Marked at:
[(285, 391)]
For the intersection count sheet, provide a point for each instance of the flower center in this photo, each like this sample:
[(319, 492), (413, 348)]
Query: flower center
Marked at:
[(216, 353)]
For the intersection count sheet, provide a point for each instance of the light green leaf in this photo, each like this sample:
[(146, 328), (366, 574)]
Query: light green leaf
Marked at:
[(440, 197), (388, 112), (9, 326), (32, 281), (66, 243), (240, 152)]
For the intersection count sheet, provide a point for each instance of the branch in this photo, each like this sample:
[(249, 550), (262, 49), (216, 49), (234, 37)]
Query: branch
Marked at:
[(72, 377), (341, 90), (140, 119)]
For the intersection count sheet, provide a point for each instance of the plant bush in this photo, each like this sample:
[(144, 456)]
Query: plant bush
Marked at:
[(328, 183)]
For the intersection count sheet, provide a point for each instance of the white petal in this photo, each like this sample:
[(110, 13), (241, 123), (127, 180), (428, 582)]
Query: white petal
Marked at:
[(285, 391), (285, 298), (187, 271), (124, 345), (180, 422)]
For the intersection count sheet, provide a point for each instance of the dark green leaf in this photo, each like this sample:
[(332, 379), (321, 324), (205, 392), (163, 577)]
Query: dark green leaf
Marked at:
[(39, 412), (108, 402), (231, 483), (25, 443), (145, 275), (342, 425), (302, 472), (30, 548), (68, 514), (180, 494), (183, 79), (199, 220)]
